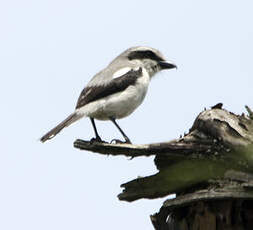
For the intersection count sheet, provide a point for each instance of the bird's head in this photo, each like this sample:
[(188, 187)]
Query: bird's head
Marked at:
[(149, 58)]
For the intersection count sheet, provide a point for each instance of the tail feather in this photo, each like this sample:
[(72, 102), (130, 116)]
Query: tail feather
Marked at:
[(68, 121)]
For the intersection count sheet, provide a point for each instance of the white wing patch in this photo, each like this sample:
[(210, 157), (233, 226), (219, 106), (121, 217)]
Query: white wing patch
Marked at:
[(121, 72)]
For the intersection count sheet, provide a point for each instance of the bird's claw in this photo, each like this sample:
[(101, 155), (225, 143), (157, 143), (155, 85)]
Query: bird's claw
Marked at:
[(97, 139), (117, 141)]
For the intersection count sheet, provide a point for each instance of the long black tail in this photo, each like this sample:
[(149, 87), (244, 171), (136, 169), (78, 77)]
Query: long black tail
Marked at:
[(69, 120)]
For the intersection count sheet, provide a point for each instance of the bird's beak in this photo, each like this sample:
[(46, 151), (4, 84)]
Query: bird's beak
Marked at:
[(167, 65)]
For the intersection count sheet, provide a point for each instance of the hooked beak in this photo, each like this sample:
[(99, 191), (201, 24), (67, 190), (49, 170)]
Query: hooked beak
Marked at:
[(167, 65)]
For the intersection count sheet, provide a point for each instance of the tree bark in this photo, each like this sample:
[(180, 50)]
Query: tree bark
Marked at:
[(209, 169)]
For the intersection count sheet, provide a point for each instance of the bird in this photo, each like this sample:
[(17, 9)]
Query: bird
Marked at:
[(117, 90)]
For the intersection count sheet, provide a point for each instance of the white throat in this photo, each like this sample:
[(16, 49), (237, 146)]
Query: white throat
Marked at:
[(152, 67)]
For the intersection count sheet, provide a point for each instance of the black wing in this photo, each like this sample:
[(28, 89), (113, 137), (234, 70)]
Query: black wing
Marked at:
[(92, 93)]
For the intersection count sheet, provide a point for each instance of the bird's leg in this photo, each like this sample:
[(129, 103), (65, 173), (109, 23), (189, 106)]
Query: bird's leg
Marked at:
[(121, 131), (97, 138)]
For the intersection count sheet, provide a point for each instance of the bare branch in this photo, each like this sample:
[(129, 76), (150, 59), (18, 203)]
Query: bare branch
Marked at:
[(215, 144)]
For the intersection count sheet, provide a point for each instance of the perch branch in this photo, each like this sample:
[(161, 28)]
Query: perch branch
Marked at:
[(173, 149), (215, 144)]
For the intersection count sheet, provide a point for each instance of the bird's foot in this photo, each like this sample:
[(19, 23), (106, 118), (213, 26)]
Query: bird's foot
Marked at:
[(117, 141), (97, 139)]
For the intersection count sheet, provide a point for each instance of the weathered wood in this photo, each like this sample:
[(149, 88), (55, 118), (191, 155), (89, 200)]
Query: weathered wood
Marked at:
[(210, 169), (230, 129), (235, 191), (214, 131), (114, 149), (229, 214), (226, 207), (250, 112), (177, 178), (174, 149)]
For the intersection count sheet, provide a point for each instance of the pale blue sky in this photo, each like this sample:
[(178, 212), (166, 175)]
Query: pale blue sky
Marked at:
[(48, 52)]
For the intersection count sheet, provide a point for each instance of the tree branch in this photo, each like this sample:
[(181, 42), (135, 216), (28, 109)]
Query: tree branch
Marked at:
[(216, 143), (174, 149)]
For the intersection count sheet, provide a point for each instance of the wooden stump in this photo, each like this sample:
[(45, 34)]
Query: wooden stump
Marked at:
[(209, 169)]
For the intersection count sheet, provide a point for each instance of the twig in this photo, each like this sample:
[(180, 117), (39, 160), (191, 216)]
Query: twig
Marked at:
[(250, 112)]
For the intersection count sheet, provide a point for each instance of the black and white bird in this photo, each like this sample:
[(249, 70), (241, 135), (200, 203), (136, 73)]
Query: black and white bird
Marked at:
[(116, 91)]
